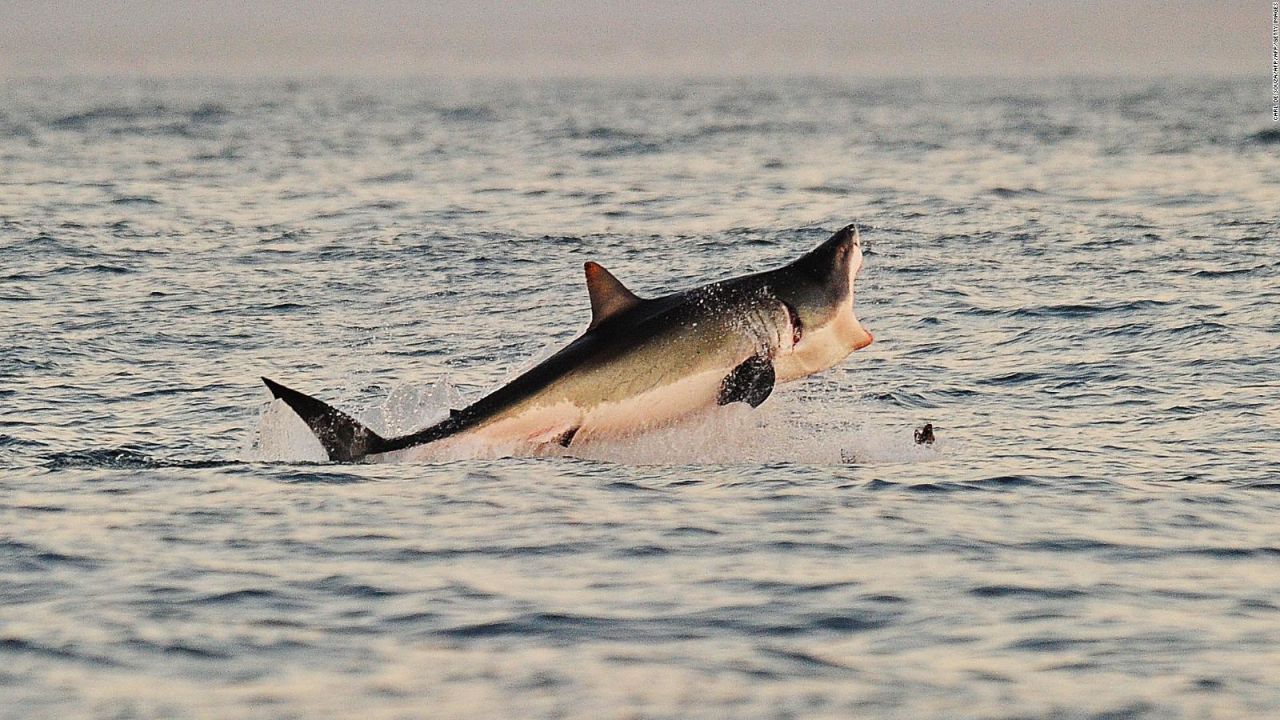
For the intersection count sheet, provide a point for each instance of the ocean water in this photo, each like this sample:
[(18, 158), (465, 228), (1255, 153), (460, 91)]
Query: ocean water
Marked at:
[(1075, 281)]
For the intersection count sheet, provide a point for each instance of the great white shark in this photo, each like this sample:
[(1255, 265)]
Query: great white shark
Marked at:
[(644, 363)]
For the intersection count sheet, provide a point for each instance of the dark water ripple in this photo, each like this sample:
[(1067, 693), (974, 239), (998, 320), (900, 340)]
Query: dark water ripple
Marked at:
[(1075, 281)]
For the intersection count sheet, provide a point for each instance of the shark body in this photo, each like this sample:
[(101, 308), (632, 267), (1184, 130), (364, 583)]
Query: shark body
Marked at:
[(644, 363)]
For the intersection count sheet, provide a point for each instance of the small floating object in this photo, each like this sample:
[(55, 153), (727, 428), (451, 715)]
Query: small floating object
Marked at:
[(924, 435)]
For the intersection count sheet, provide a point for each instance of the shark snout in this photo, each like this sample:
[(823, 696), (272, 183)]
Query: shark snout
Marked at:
[(848, 235), (850, 248)]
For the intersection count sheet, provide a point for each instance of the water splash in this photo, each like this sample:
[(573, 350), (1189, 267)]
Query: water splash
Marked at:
[(282, 436)]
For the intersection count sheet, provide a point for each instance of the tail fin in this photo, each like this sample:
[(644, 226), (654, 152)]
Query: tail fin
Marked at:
[(342, 436)]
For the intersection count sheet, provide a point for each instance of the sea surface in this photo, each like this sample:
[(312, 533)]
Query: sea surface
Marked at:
[(1076, 281)]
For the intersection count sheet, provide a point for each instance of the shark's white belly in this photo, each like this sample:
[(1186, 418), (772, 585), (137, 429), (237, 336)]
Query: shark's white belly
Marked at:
[(541, 428), (660, 406)]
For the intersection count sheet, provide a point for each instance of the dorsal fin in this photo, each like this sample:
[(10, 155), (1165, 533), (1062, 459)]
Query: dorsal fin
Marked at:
[(608, 296)]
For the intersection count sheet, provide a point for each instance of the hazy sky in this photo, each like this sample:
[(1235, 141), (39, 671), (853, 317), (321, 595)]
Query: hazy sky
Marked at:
[(635, 38)]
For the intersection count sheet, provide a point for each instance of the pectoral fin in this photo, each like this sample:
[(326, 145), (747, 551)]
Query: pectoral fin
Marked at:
[(751, 382)]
